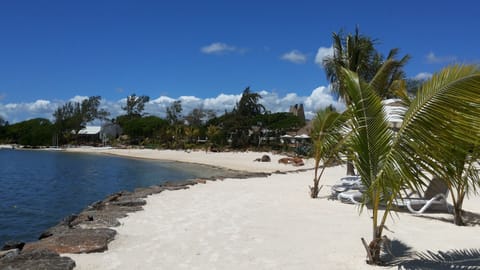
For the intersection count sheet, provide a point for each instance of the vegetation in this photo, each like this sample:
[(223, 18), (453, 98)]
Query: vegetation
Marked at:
[(388, 161), (135, 105), (74, 116), (357, 53), (34, 132), (328, 138)]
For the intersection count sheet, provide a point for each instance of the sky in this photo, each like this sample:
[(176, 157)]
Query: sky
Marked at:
[(205, 53)]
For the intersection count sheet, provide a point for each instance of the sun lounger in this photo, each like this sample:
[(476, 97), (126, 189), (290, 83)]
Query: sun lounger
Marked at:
[(435, 197), (350, 196)]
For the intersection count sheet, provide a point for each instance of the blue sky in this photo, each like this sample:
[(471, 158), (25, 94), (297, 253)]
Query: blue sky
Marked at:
[(206, 52)]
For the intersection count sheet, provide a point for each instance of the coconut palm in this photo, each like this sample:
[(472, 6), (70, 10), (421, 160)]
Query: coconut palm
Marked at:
[(328, 136), (463, 177), (357, 53), (445, 112)]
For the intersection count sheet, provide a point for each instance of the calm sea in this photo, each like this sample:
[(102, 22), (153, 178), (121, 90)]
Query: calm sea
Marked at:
[(39, 188)]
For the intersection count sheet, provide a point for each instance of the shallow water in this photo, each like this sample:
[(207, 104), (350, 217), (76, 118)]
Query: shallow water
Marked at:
[(40, 188)]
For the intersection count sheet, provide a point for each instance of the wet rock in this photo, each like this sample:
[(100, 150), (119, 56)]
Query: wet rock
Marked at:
[(38, 260), (75, 241), (13, 245), (129, 202), (144, 192)]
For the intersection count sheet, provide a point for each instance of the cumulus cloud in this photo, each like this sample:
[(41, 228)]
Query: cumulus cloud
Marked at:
[(320, 97), (219, 48), (434, 59), (322, 53), (16, 112), (78, 99), (422, 76), (295, 56)]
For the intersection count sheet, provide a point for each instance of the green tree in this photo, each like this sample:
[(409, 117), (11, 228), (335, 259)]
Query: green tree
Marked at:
[(135, 105), (141, 128), (174, 112), (74, 116), (249, 104), (445, 112), (357, 53), (213, 134), (328, 135), (33, 132)]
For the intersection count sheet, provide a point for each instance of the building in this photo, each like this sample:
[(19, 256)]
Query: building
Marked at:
[(298, 111)]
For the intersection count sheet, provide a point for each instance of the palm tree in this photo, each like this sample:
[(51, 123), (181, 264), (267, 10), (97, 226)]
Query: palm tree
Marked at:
[(328, 137), (249, 104), (357, 53), (445, 112)]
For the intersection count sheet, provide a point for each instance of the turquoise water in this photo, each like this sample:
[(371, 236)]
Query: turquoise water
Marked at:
[(40, 188)]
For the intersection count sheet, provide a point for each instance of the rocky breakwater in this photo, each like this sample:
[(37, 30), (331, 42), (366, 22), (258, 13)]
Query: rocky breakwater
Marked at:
[(89, 231)]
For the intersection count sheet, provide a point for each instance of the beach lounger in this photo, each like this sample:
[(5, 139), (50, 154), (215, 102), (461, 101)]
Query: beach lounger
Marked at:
[(350, 196), (348, 190), (435, 197)]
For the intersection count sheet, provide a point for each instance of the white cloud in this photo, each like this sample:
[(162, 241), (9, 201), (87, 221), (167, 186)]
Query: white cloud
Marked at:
[(422, 76), (295, 56), (78, 98), (16, 112), (319, 98), (434, 59), (322, 53), (219, 48)]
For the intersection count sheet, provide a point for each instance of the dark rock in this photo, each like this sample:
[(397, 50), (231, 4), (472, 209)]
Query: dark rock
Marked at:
[(57, 229), (265, 158), (75, 241), (38, 260), (12, 245), (144, 192), (129, 203)]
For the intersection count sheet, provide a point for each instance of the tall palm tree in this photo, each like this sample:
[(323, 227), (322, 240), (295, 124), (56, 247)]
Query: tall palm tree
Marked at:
[(357, 53), (445, 112)]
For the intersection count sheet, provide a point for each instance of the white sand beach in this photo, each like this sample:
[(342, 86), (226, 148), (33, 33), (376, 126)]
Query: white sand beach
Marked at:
[(260, 223)]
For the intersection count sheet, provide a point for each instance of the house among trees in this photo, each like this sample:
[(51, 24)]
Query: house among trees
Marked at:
[(99, 134)]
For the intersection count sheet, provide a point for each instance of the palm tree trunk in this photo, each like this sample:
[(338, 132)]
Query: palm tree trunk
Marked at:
[(350, 167), (458, 211)]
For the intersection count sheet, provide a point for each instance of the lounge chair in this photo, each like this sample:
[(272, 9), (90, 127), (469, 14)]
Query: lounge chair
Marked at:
[(349, 190), (350, 196), (435, 196)]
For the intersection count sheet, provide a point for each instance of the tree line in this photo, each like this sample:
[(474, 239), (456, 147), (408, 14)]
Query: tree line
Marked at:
[(239, 128)]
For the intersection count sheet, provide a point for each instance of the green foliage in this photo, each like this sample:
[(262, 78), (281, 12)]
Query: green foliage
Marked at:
[(174, 112), (198, 115), (445, 112), (34, 132), (358, 53), (140, 128), (135, 105), (279, 121), (249, 104), (328, 135), (74, 116)]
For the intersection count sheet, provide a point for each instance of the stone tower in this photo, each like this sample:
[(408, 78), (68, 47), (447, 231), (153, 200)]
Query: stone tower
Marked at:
[(297, 110)]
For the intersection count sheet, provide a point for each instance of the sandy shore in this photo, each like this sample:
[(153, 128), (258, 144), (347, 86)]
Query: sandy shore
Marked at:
[(260, 223)]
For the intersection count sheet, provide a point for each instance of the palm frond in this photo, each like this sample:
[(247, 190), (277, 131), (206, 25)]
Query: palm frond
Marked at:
[(445, 113)]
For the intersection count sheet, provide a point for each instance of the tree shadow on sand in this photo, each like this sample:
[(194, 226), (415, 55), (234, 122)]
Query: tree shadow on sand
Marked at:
[(397, 253), (470, 218)]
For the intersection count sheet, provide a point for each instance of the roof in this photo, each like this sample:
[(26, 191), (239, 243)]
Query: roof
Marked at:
[(90, 130)]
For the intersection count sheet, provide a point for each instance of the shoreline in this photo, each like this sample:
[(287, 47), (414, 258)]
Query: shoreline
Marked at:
[(222, 160), (266, 221)]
